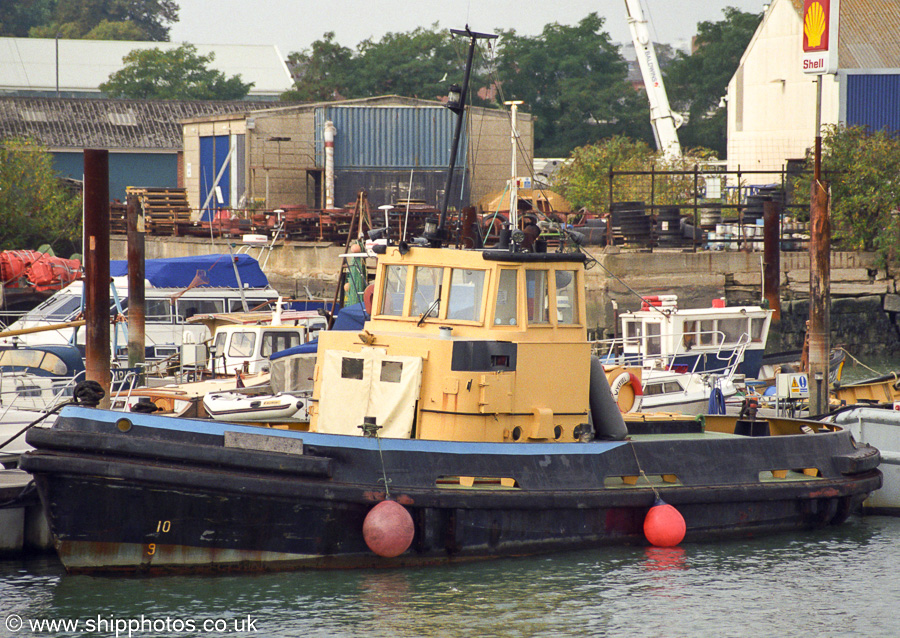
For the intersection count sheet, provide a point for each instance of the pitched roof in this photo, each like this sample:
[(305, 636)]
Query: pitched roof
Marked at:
[(29, 64), (60, 123)]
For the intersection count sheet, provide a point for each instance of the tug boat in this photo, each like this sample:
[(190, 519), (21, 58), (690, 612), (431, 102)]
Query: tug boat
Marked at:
[(466, 420)]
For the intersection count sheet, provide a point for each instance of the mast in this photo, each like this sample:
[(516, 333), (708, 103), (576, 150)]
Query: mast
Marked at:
[(456, 102)]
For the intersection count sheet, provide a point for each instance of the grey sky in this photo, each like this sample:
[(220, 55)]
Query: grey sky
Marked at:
[(293, 25)]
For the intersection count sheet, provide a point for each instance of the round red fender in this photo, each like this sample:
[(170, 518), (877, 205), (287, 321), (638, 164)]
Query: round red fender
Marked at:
[(664, 525), (388, 529), (368, 293)]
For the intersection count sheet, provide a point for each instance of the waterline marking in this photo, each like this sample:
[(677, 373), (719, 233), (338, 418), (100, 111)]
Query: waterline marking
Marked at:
[(131, 627)]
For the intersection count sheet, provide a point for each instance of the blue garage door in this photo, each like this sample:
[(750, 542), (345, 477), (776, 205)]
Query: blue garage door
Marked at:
[(213, 154)]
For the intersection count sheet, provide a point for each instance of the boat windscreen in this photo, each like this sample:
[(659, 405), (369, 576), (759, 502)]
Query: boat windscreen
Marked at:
[(59, 308)]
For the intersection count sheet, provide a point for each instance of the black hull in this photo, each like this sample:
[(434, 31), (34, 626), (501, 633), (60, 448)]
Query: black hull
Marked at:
[(156, 499)]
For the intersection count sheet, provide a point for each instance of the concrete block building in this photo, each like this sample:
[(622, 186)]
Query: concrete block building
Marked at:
[(395, 148)]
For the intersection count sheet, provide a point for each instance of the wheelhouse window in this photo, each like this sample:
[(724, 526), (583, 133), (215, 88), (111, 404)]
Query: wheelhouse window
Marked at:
[(426, 290), (505, 310), (733, 329), (219, 345), (566, 297), (187, 308), (241, 344), (709, 336), (538, 296), (756, 329), (277, 341), (654, 339), (394, 289), (56, 309), (633, 333), (158, 310), (464, 299)]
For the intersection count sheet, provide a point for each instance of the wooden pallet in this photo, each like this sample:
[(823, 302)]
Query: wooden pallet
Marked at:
[(164, 208)]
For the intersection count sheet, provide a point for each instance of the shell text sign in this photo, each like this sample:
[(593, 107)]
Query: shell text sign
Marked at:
[(815, 25), (820, 36)]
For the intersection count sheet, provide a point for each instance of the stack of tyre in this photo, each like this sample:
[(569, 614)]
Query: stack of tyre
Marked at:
[(668, 227), (630, 224)]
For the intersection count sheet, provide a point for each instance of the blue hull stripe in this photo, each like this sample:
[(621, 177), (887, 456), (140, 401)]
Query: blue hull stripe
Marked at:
[(342, 440)]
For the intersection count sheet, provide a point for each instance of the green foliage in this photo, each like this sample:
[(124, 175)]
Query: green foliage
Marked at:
[(584, 180), (34, 208), (696, 82), (321, 73), (178, 74), (863, 170), (107, 30), (150, 19), (421, 63), (17, 17), (411, 64), (573, 80)]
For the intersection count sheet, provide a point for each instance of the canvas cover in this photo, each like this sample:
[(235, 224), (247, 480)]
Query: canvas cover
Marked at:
[(179, 272), (388, 390)]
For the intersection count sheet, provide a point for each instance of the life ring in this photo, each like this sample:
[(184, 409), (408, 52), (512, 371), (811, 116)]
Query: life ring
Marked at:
[(627, 392)]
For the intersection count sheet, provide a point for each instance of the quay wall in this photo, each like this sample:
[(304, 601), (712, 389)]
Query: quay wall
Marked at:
[(865, 304)]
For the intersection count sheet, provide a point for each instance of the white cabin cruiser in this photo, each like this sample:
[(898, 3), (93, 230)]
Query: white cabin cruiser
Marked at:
[(172, 295), (677, 357)]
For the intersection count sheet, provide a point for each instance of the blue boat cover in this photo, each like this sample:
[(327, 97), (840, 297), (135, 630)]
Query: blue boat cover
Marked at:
[(179, 272), (350, 318)]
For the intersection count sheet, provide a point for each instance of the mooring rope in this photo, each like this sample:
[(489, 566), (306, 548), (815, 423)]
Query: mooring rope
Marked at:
[(858, 362), (641, 470)]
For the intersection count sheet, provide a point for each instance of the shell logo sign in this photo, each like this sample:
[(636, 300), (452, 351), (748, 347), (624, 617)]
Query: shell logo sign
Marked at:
[(815, 36), (820, 19)]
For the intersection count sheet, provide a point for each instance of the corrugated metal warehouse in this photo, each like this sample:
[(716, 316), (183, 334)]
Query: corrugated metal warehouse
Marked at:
[(393, 147)]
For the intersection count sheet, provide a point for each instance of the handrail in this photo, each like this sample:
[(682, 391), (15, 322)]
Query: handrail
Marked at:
[(730, 353)]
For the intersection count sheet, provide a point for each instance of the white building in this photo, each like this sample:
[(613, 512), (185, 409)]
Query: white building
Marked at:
[(772, 103)]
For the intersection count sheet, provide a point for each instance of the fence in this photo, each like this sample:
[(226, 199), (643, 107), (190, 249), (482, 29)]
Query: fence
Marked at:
[(709, 208)]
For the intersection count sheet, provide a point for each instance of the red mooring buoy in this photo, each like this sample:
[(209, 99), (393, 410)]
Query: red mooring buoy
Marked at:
[(388, 529), (664, 525)]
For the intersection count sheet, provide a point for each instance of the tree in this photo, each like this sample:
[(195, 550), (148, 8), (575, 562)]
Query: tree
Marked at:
[(17, 18), (34, 207), (697, 82), (148, 19), (107, 30), (320, 73), (863, 169), (177, 74), (421, 63), (573, 80), (584, 180)]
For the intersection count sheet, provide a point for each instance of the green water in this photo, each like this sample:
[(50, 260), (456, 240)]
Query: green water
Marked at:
[(867, 368), (839, 581)]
